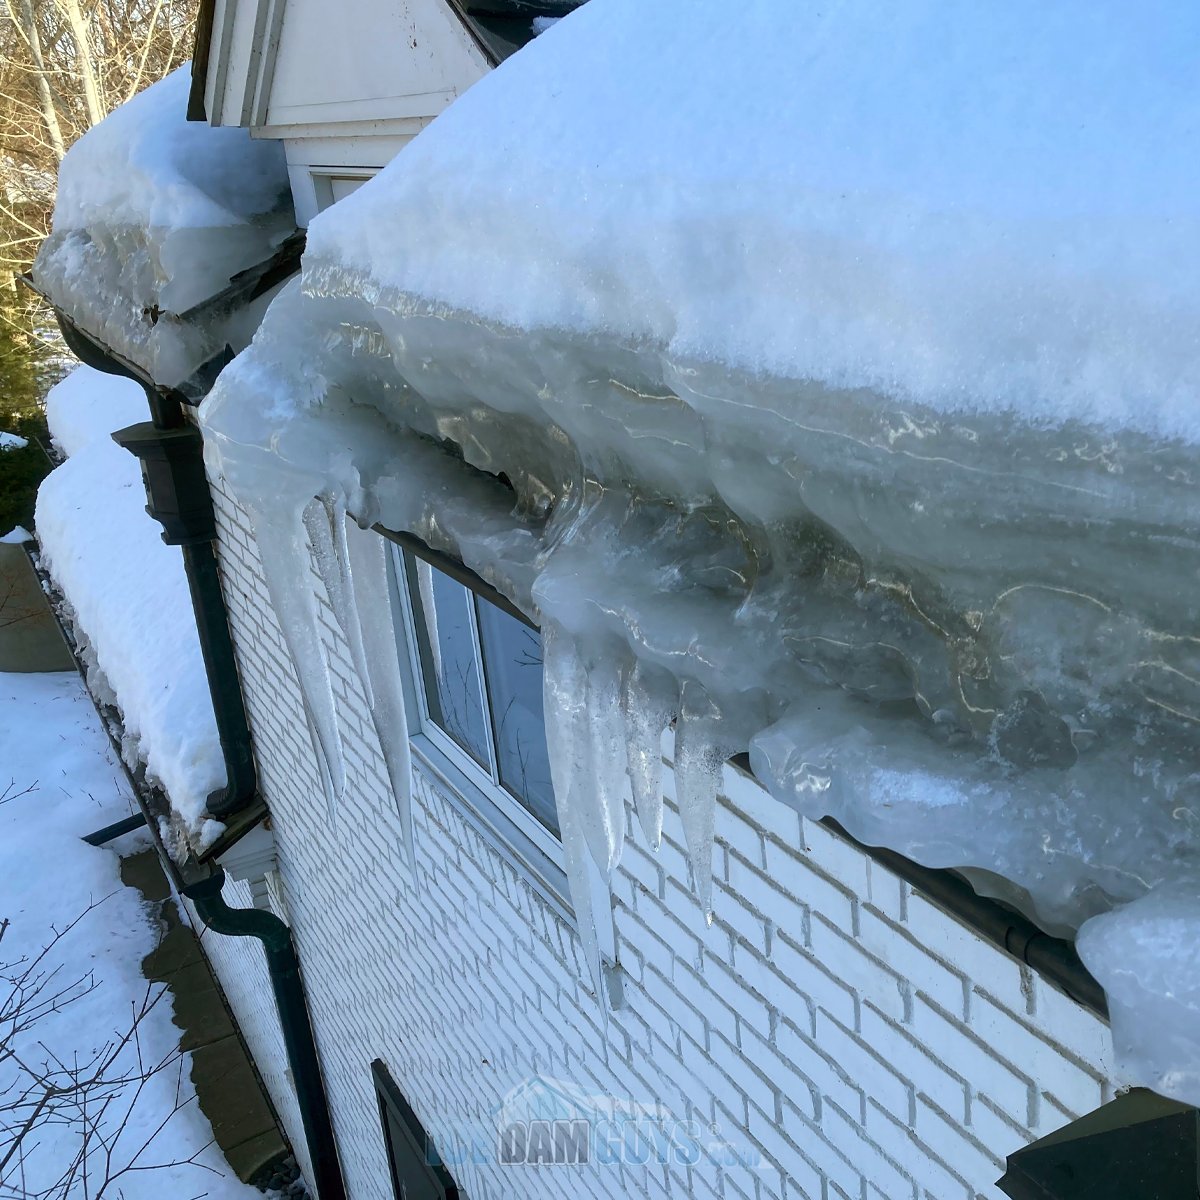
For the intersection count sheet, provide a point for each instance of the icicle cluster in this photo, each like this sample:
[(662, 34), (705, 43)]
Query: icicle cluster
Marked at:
[(967, 639)]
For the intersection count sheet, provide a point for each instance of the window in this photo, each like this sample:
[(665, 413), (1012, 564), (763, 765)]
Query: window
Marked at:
[(479, 689), (332, 186), (417, 1171)]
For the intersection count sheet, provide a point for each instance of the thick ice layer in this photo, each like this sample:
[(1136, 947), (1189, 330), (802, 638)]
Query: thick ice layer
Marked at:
[(1147, 956), (841, 409), (153, 215)]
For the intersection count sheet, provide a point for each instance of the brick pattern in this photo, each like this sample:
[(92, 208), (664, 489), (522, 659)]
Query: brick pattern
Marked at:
[(845, 1033)]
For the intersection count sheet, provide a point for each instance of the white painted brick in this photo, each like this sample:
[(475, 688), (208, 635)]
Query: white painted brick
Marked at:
[(805, 1179), (989, 1074), (921, 1160), (914, 1061), (824, 1078), (930, 976), (865, 1068), (847, 959), (787, 871), (730, 910), (742, 1074)]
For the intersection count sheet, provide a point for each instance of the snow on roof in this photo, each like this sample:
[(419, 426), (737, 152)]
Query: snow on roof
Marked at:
[(144, 165), (970, 206), (154, 214)]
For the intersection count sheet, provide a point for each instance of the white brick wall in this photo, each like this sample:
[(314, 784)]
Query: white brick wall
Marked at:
[(857, 1038)]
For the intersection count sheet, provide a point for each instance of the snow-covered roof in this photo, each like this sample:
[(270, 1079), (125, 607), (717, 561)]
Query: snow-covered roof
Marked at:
[(981, 208), (843, 360), (153, 216)]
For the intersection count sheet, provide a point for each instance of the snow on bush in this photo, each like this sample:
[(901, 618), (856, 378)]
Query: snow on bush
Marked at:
[(127, 590)]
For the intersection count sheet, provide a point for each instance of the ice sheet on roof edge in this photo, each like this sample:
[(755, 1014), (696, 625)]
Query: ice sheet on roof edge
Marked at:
[(154, 214), (966, 638)]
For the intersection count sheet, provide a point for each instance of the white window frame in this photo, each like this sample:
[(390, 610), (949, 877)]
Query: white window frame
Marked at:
[(505, 823), (323, 179)]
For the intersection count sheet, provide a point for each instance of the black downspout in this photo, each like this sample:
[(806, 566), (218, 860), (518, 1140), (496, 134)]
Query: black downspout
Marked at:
[(284, 969), (220, 666), (117, 829), (171, 452)]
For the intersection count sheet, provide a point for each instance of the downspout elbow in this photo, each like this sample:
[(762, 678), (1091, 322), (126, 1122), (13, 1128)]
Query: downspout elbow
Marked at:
[(283, 966)]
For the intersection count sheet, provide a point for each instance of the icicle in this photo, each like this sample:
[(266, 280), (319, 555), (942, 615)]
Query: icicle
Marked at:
[(285, 559), (587, 799), (609, 758), (366, 560), (648, 701), (325, 520), (701, 748), (584, 743), (429, 609)]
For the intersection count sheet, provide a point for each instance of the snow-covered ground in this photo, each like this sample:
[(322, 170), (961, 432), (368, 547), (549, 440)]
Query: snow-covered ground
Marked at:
[(59, 781), (128, 591)]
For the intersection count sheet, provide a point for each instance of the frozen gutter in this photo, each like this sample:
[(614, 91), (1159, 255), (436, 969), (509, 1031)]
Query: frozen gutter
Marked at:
[(170, 449), (1055, 959)]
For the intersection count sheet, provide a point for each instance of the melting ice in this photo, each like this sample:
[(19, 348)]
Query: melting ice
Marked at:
[(823, 411)]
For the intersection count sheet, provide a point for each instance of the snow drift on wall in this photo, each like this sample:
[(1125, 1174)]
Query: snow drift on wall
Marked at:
[(823, 379)]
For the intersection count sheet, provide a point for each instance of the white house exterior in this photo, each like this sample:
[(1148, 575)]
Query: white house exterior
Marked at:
[(833, 1033), (848, 1027), (858, 1041)]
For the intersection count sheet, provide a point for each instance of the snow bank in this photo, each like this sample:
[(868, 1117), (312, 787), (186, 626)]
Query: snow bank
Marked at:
[(154, 214), (86, 406), (841, 408), (12, 441), (16, 535), (51, 742), (128, 591)]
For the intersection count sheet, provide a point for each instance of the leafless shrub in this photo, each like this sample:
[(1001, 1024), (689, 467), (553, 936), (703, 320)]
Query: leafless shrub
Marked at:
[(66, 1123)]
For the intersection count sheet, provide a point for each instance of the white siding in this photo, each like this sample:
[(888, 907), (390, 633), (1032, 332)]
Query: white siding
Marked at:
[(288, 63), (858, 1039)]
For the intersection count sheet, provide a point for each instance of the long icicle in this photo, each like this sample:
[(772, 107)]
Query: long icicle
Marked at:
[(325, 520), (283, 548), (701, 748), (649, 699), (367, 558)]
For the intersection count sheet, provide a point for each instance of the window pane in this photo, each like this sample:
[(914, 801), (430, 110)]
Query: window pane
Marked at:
[(512, 656), (446, 644)]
